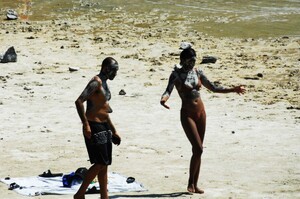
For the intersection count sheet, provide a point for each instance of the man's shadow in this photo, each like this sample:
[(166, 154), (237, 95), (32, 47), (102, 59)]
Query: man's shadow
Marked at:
[(162, 195)]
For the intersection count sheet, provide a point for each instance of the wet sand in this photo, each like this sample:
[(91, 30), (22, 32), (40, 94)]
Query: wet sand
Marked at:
[(252, 141)]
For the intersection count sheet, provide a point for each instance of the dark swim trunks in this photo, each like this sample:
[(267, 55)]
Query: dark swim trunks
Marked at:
[(99, 147)]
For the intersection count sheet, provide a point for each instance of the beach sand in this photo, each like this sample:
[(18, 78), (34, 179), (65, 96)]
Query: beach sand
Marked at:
[(251, 147)]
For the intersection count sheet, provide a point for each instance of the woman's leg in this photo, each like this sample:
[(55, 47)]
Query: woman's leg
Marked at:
[(201, 126), (191, 130)]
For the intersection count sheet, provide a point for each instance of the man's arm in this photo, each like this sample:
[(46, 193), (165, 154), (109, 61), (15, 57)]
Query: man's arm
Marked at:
[(114, 132), (87, 92), (112, 127)]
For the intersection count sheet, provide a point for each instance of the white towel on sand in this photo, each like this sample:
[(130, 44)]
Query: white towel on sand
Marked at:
[(34, 186)]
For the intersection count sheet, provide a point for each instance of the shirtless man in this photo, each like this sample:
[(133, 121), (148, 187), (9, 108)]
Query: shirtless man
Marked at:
[(188, 82), (98, 129)]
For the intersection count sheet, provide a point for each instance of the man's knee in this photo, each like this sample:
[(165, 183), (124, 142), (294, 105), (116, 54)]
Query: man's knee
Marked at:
[(100, 166)]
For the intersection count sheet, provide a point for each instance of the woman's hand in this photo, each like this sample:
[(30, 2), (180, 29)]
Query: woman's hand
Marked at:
[(239, 90)]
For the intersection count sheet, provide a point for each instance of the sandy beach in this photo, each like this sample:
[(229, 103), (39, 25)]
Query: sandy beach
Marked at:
[(251, 147)]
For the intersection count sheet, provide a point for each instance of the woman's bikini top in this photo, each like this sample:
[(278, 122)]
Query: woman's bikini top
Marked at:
[(190, 80)]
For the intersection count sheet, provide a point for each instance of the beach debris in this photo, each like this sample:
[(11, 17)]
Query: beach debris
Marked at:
[(130, 180), (11, 15), (251, 78), (208, 59), (49, 174), (292, 107), (257, 77), (155, 62), (30, 37), (174, 54), (147, 84), (13, 186), (122, 92), (72, 69), (27, 88), (9, 56)]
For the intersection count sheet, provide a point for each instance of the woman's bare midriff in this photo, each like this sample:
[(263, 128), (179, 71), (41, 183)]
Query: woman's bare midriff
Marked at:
[(192, 105)]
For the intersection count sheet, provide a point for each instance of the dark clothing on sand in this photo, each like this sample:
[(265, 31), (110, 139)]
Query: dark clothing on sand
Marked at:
[(99, 147)]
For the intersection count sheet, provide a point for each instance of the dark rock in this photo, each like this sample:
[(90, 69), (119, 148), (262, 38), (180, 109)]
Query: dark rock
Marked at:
[(9, 56), (122, 92), (208, 59), (31, 37), (72, 69), (292, 107), (260, 75)]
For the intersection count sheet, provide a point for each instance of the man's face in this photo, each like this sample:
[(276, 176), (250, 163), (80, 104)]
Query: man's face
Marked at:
[(112, 70), (189, 63)]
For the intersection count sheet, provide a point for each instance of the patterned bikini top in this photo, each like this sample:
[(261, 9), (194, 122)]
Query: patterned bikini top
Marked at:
[(192, 79)]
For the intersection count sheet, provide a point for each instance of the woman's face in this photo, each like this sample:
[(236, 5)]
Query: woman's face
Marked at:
[(189, 63)]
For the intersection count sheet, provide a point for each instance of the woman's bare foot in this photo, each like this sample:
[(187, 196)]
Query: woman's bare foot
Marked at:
[(200, 191), (191, 188)]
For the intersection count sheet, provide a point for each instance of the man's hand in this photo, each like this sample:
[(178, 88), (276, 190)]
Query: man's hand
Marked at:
[(116, 139), (87, 131)]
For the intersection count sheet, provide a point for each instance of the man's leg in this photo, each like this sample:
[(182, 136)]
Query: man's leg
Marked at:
[(90, 175), (102, 178)]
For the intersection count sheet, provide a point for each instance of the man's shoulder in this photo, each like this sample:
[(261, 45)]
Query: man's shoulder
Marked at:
[(97, 79)]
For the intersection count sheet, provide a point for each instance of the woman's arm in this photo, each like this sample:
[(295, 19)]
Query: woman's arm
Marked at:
[(219, 89), (169, 89)]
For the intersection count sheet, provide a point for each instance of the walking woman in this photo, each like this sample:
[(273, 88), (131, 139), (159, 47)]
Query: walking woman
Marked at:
[(188, 82)]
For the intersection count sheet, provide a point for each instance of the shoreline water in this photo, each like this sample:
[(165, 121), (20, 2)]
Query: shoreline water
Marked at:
[(255, 19)]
